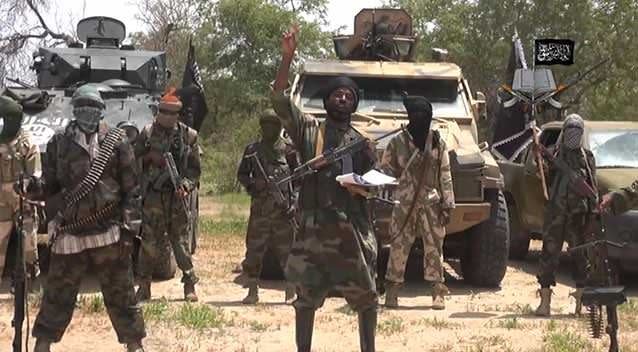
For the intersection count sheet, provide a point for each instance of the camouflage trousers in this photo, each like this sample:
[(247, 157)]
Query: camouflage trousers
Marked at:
[(30, 242), (559, 228), (334, 254), (264, 231), (163, 216), (112, 266), (432, 234)]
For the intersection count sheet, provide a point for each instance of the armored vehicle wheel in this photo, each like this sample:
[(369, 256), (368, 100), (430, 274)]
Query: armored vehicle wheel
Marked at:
[(166, 266), (519, 238), (487, 245)]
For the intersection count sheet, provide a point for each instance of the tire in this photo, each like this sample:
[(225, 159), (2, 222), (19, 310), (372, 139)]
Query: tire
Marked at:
[(487, 245), (166, 266), (519, 238)]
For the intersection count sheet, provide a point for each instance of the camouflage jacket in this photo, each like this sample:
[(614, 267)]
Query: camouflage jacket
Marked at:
[(403, 160), (312, 137), (181, 141), (278, 161), (18, 157), (625, 199), (561, 196), (69, 157)]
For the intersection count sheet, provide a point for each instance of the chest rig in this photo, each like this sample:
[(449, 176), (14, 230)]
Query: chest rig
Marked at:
[(158, 142)]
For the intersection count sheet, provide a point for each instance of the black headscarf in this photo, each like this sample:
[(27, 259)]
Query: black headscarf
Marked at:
[(420, 114), (340, 82)]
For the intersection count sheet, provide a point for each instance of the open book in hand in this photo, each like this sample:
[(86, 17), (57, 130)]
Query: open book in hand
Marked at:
[(372, 178)]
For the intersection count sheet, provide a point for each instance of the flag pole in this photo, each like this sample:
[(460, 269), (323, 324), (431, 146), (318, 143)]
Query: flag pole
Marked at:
[(539, 158)]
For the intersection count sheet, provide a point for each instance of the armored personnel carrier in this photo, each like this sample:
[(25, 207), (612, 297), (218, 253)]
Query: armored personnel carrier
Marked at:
[(130, 81), (380, 57)]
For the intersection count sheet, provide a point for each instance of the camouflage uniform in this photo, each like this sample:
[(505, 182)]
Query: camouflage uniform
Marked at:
[(163, 214), (566, 215), (335, 247), (11, 166), (105, 245), (405, 161), (269, 224)]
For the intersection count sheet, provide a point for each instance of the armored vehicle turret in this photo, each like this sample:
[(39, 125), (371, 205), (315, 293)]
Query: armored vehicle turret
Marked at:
[(380, 57), (130, 82)]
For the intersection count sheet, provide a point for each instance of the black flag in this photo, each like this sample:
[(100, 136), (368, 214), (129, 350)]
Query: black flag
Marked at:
[(192, 91), (554, 52)]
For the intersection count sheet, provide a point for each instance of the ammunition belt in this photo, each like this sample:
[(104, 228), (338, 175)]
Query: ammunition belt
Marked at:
[(99, 215), (98, 166)]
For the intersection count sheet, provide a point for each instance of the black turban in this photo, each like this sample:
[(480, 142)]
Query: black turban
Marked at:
[(414, 103), (340, 82)]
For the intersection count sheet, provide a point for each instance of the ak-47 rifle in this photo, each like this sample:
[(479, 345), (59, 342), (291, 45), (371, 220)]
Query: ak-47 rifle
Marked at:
[(19, 275), (331, 156), (176, 180), (274, 189), (577, 182)]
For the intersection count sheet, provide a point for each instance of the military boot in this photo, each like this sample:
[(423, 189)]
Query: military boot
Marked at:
[(439, 291), (367, 329), (253, 295), (543, 309), (42, 345), (290, 294), (134, 347), (144, 291), (391, 294), (578, 296), (304, 324), (189, 292)]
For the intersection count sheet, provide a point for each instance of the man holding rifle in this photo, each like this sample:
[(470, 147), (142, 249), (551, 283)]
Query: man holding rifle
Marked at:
[(164, 211), (572, 170), (335, 248), (271, 209)]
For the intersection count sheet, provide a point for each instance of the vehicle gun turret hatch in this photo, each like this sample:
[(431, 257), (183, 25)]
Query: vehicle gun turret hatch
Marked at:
[(101, 32)]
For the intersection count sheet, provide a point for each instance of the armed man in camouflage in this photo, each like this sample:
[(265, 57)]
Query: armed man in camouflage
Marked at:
[(419, 159), (621, 201), (163, 212), (567, 213), (335, 248), (92, 194), (269, 224), (18, 156)]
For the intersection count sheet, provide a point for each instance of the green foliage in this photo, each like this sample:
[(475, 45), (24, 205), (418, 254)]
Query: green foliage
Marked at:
[(200, 316), (438, 323), (226, 226), (92, 303), (565, 341), (478, 34), (391, 326), (156, 310)]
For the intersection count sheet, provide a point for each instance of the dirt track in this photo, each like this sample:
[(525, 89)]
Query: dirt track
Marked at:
[(475, 320)]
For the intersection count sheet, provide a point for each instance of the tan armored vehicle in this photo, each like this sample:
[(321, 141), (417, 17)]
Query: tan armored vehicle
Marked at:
[(379, 57)]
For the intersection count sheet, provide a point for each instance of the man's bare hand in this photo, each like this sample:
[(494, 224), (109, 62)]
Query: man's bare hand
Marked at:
[(606, 203), (181, 192), (289, 42), (355, 190)]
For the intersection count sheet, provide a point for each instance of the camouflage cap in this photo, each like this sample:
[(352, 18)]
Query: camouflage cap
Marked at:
[(87, 94), (269, 116), (11, 119)]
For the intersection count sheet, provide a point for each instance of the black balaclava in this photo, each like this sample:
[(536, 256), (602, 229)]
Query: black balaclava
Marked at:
[(420, 115), (333, 85)]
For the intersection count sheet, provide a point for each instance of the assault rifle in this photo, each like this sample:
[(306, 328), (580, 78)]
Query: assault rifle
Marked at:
[(275, 191), (577, 183), (331, 156), (19, 275), (176, 180)]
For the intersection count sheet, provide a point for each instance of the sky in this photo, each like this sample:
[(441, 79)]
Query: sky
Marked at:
[(340, 12)]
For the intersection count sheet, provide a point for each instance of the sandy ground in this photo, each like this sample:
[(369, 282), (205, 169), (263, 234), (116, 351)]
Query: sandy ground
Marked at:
[(475, 319)]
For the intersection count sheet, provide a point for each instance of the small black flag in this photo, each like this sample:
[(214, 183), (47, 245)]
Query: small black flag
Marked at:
[(554, 52), (192, 91)]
